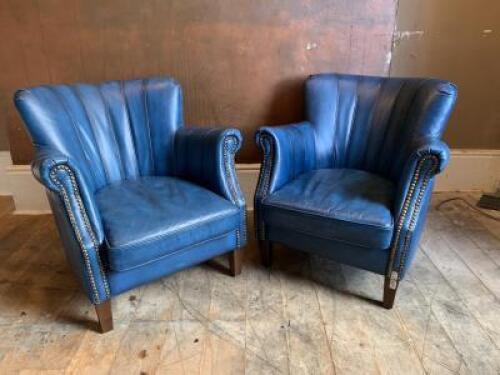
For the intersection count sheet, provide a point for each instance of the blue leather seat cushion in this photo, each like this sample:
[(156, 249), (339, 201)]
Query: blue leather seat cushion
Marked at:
[(150, 218), (346, 205)]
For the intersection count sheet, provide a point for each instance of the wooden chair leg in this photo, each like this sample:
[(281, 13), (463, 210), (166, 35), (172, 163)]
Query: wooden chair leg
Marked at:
[(389, 293), (104, 316), (235, 262), (266, 253)]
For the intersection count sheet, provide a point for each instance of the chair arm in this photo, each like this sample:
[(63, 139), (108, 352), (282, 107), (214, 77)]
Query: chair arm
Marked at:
[(421, 152), (427, 157), (206, 157), (75, 210), (288, 151)]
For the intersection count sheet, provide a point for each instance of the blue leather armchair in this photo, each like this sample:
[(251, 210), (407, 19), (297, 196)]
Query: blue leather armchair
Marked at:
[(353, 182), (135, 195)]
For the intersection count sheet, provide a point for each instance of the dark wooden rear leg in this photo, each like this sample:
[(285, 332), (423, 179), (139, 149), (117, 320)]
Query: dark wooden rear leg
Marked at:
[(266, 253), (104, 316), (235, 262), (390, 289)]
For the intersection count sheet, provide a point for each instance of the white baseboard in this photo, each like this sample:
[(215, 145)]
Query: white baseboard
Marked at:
[(469, 170), (5, 161), (248, 175), (28, 194)]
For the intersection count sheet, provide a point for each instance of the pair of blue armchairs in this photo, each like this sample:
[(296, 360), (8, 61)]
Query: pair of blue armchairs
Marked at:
[(137, 196)]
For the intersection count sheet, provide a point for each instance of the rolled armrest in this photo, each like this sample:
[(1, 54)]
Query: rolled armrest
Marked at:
[(79, 222), (288, 151), (42, 165), (53, 170), (426, 158), (206, 157), (425, 155)]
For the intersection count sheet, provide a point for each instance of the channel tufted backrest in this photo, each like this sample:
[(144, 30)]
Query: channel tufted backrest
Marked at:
[(114, 131), (368, 123)]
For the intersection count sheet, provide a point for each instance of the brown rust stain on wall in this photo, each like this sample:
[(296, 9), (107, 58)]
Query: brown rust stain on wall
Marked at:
[(241, 63)]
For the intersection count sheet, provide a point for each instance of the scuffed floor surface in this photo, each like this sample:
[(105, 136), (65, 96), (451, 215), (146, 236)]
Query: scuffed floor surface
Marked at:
[(306, 315)]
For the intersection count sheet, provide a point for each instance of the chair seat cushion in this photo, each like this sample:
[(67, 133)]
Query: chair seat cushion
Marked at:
[(345, 205), (153, 217)]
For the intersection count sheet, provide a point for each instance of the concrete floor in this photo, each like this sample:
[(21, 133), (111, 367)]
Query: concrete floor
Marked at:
[(306, 316)]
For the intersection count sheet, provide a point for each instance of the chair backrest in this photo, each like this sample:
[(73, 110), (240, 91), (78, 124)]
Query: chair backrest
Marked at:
[(363, 122), (117, 130)]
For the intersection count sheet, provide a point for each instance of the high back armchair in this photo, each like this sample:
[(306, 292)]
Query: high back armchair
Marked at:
[(353, 182), (135, 195)]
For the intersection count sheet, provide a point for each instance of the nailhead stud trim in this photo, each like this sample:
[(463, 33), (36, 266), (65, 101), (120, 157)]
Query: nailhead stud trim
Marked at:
[(416, 211), (414, 214), (76, 229), (230, 146), (264, 179)]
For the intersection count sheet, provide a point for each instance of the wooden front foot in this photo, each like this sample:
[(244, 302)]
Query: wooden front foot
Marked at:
[(389, 292), (235, 262), (104, 316), (266, 253)]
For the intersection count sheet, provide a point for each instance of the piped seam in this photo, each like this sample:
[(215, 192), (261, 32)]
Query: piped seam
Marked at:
[(76, 229)]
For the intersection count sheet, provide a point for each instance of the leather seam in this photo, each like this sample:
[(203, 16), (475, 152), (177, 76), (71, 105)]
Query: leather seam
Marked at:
[(92, 127), (330, 238), (415, 211), (129, 127), (269, 166), (112, 130), (76, 128), (352, 125), (289, 208), (161, 236), (76, 229), (182, 250), (335, 124), (146, 112), (267, 146), (234, 190), (390, 121)]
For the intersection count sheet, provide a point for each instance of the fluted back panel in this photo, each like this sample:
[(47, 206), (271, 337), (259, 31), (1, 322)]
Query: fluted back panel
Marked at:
[(115, 130), (369, 123)]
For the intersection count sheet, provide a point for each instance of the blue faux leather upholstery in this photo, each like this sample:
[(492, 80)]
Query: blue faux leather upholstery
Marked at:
[(353, 182), (152, 217), (345, 205), (132, 191)]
